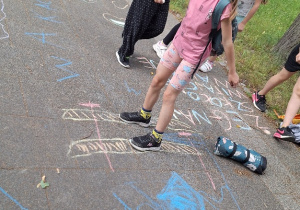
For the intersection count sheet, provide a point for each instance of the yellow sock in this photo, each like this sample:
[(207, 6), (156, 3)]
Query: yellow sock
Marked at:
[(157, 135), (146, 115)]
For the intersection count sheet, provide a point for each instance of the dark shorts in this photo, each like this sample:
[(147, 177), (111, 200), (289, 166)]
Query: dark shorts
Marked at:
[(291, 65)]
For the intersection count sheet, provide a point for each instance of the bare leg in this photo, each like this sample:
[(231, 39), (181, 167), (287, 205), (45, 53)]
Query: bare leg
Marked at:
[(293, 105), (158, 82), (167, 108), (212, 58), (276, 80)]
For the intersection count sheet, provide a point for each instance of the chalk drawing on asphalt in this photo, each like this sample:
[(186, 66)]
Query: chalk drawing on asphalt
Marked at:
[(99, 141), (90, 1), (48, 38), (125, 4), (177, 193), (113, 19), (87, 147), (12, 199), (3, 16)]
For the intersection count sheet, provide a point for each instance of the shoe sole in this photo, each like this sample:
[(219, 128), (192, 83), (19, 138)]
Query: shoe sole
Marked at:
[(154, 149), (288, 139), (118, 58), (145, 125), (253, 100)]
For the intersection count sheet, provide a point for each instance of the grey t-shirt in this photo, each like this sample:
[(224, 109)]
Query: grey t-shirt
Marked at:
[(244, 6)]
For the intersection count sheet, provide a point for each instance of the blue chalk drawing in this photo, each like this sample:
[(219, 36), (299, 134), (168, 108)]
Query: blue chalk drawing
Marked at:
[(11, 198), (178, 194), (132, 90), (205, 118), (239, 119), (240, 105), (45, 5), (42, 38), (50, 19), (64, 68)]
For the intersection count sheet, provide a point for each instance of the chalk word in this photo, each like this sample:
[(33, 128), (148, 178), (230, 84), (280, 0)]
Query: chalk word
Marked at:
[(42, 37), (6, 35), (89, 147), (223, 96)]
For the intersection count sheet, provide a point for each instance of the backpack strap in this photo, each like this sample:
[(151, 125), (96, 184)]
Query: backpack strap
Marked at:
[(217, 13)]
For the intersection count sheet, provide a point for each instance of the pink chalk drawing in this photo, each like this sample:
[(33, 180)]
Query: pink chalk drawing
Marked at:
[(91, 105)]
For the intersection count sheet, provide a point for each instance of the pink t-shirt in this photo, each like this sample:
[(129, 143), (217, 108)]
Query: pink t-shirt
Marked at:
[(193, 34)]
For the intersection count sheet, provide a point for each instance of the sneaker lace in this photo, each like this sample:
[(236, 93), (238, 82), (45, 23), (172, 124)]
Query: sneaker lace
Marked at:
[(290, 130)]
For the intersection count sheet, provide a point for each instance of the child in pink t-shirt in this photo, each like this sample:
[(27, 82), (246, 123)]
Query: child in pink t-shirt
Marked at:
[(181, 58)]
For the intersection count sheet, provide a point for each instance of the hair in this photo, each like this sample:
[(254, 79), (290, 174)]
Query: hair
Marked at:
[(234, 4)]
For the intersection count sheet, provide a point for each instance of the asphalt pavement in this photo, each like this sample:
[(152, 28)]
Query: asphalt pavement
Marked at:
[(64, 147)]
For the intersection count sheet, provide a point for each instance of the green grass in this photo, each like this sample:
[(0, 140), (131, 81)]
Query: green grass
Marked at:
[(255, 60)]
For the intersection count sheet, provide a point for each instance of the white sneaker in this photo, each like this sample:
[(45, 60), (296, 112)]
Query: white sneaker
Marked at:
[(207, 66), (159, 49)]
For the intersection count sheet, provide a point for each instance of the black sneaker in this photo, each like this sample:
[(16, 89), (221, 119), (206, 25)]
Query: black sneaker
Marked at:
[(125, 62), (259, 101), (285, 134), (136, 118), (145, 143)]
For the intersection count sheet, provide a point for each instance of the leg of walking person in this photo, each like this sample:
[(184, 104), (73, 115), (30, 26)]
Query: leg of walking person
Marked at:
[(293, 105), (161, 46), (259, 99), (284, 132), (291, 66), (137, 21), (182, 76)]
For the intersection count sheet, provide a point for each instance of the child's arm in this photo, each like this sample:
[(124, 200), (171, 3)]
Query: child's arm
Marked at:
[(233, 77), (250, 14)]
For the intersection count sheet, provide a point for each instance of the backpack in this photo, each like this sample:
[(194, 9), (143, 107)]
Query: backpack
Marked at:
[(217, 13)]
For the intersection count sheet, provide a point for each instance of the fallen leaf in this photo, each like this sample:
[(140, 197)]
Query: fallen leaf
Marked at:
[(44, 184)]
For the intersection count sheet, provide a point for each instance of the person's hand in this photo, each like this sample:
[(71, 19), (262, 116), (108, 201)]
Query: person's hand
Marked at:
[(241, 27), (298, 57), (233, 79), (159, 1)]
